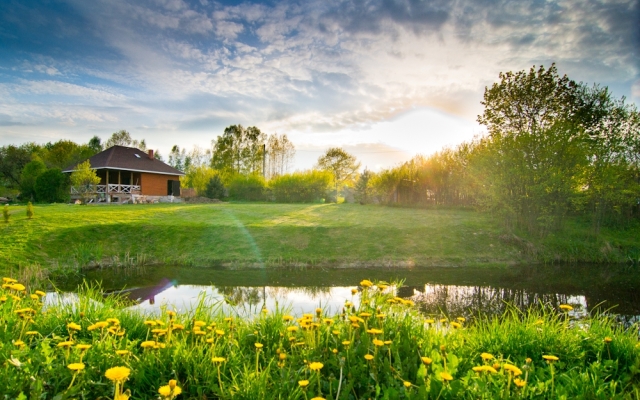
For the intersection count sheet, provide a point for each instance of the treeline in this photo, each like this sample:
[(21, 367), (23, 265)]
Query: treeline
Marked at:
[(554, 148)]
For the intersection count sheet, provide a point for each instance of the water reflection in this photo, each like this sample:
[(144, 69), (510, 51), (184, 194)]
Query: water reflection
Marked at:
[(450, 291)]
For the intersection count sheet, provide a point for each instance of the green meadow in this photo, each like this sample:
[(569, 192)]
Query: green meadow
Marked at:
[(306, 235)]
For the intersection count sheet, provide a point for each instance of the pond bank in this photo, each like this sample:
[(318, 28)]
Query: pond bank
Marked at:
[(291, 235)]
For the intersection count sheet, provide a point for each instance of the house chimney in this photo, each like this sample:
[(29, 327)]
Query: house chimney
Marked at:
[(151, 154)]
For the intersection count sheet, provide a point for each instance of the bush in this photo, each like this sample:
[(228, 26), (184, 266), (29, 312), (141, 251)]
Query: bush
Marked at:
[(247, 188), (52, 186), (215, 188), (301, 187), (29, 210), (198, 178), (30, 173)]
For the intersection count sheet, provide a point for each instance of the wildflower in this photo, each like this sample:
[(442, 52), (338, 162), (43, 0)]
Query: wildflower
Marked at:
[(199, 324), (366, 283), (122, 352), (346, 342), (328, 321), (519, 382), (76, 366), (9, 280), (18, 287), (68, 343), (485, 368), (98, 325), (528, 360), (429, 321), (316, 366), (114, 321), (218, 359), (292, 328), (486, 356), (335, 332), (539, 322), (31, 333), (288, 318), (426, 360), (150, 323), (171, 390), (83, 347), (608, 340), (34, 297), (148, 344), (446, 376), (228, 319), (354, 291), (171, 313), (178, 327), (513, 369), (282, 356), (40, 293), (303, 383), (368, 357), (19, 343), (375, 331), (406, 384), (461, 319), (365, 314), (318, 398), (456, 325), (378, 342), (566, 307), (258, 345), (117, 374), (74, 326), (550, 358), (334, 351), (219, 332)]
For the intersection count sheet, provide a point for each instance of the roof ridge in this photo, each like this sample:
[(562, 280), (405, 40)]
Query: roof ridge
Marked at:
[(110, 154)]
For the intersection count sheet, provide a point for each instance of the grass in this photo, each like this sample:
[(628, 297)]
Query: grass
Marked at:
[(384, 348), (289, 235)]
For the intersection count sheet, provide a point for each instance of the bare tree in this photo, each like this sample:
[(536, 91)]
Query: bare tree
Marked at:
[(280, 154)]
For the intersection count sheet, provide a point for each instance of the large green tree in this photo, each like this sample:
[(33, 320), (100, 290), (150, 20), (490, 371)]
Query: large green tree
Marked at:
[(13, 159), (84, 180), (342, 165), (28, 177), (52, 186), (239, 150)]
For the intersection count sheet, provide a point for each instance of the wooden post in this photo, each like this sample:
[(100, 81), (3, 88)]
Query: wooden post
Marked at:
[(107, 191)]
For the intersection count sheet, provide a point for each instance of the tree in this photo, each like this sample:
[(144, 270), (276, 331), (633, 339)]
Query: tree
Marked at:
[(95, 144), (177, 158), (342, 165), (52, 186), (84, 180), (363, 189), (239, 150), (64, 153), (215, 188), (28, 178), (198, 178), (123, 138), (280, 154), (13, 159)]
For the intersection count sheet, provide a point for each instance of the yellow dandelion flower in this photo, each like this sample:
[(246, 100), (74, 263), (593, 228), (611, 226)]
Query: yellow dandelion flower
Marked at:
[(114, 321), (219, 332), (406, 384), (83, 347), (335, 332), (346, 342), (31, 333), (456, 325), (446, 376), (122, 352), (76, 366), (148, 344), (365, 314), (328, 321), (68, 343), (368, 357), (9, 280), (519, 382), (486, 356), (513, 369), (378, 342), (40, 293), (150, 323), (258, 345), (117, 374), (316, 366), (18, 287), (354, 291), (318, 398), (199, 324), (34, 297), (608, 340), (375, 331), (288, 318), (19, 343), (303, 383), (426, 360), (218, 359), (381, 316), (550, 358), (566, 307), (429, 321), (292, 328), (74, 326), (366, 283)]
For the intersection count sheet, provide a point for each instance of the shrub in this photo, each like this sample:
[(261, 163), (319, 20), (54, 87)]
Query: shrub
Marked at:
[(301, 187), (29, 210), (30, 173), (198, 178), (52, 186), (247, 188), (215, 188), (5, 213)]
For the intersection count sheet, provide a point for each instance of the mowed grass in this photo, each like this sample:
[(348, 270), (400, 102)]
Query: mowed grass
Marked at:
[(254, 234)]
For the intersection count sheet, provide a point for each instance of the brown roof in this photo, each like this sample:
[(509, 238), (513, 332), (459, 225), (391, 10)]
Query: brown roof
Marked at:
[(129, 159)]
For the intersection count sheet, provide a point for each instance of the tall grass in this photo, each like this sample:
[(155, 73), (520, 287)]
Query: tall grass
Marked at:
[(382, 349)]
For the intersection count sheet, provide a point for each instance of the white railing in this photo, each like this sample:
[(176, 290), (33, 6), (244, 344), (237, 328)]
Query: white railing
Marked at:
[(111, 188)]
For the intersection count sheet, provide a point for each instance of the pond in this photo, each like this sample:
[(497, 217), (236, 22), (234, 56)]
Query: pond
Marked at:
[(437, 291)]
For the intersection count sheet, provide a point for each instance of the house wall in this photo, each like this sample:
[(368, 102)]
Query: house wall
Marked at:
[(155, 184)]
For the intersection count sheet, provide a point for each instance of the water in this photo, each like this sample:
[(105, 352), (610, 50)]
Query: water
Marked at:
[(437, 291)]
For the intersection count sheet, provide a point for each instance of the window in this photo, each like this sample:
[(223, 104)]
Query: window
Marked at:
[(137, 155)]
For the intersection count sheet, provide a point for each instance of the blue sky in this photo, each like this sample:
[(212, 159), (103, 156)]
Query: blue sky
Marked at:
[(386, 79)]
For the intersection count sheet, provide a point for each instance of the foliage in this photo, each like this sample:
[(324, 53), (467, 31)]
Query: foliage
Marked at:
[(84, 180), (95, 144), (342, 165), (64, 154), (12, 160), (5, 213), (198, 178), (280, 155), (52, 186), (247, 187), (29, 210), (363, 187), (239, 150), (301, 187), (215, 188), (123, 138), (28, 178), (381, 345)]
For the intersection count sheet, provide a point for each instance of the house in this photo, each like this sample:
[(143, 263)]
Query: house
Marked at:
[(129, 174)]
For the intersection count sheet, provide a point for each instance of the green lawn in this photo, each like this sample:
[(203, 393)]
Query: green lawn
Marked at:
[(288, 234), (284, 234)]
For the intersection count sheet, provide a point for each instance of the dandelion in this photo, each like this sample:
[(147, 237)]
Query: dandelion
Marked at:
[(76, 366), (566, 307), (368, 357), (303, 383), (608, 340), (456, 325), (519, 382), (461, 319), (122, 352), (318, 398), (366, 283), (199, 324), (147, 344), (354, 291), (292, 328), (375, 331), (429, 321), (170, 391), (288, 318), (316, 366), (346, 342), (426, 360), (446, 376), (378, 342), (486, 356), (40, 293), (550, 358), (406, 384), (117, 374), (513, 369), (218, 359), (67, 344), (83, 347), (258, 345)]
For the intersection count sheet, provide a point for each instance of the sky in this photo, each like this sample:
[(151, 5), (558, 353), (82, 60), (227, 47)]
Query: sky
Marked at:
[(384, 79)]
